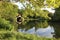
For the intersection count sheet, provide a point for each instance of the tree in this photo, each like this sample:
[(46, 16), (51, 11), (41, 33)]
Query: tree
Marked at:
[(33, 9), (56, 5), (53, 3)]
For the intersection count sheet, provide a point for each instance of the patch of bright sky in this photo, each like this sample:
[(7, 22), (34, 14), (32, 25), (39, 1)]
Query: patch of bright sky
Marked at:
[(49, 9), (20, 5)]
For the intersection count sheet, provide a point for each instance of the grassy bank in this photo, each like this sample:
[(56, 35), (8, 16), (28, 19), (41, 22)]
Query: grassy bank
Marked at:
[(20, 36)]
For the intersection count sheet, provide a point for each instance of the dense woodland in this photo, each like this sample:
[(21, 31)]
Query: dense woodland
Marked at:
[(9, 11)]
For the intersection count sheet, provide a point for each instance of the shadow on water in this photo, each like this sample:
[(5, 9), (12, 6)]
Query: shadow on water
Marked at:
[(56, 26), (43, 29)]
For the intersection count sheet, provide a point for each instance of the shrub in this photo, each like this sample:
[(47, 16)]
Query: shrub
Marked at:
[(5, 25)]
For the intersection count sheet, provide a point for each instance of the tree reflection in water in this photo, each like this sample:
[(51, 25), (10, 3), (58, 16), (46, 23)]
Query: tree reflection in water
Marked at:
[(43, 29)]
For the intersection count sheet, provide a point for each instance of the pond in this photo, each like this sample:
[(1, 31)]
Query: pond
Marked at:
[(43, 29)]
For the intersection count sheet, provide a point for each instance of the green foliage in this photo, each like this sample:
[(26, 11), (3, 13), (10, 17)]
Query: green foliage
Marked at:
[(33, 10), (7, 35), (5, 25), (35, 3), (5, 0), (8, 11), (56, 5), (20, 36), (53, 3), (34, 14)]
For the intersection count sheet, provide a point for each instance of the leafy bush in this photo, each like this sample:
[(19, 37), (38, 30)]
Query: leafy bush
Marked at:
[(5, 25), (8, 11), (20, 36), (34, 14)]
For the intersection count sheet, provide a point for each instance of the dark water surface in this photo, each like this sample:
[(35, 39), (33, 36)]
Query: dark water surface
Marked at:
[(43, 29)]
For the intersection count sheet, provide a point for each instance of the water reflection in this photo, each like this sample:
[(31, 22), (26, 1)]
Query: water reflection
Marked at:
[(44, 32), (43, 29)]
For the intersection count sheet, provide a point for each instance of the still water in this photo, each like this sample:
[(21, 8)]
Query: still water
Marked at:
[(43, 29)]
